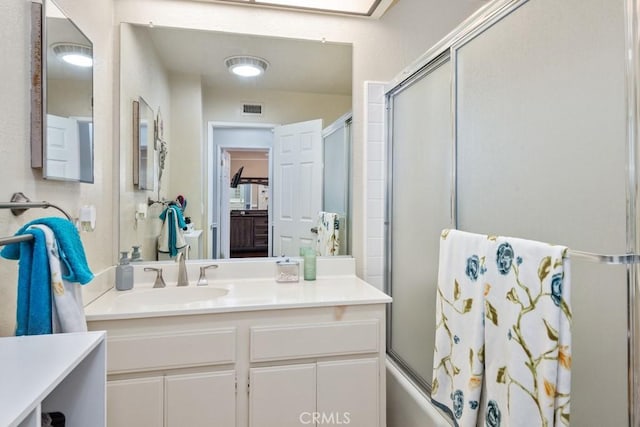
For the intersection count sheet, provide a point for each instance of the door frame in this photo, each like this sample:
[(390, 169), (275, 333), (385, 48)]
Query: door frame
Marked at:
[(214, 156)]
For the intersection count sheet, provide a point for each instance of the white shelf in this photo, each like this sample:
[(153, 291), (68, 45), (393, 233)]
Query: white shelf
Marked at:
[(47, 373)]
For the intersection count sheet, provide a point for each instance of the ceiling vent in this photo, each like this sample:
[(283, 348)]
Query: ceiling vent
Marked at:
[(252, 109)]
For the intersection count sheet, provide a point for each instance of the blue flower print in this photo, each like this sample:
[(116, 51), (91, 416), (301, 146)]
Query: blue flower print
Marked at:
[(509, 334), (493, 414), (519, 260), (556, 288), (473, 267), (473, 404), (504, 258), (456, 339), (458, 403)]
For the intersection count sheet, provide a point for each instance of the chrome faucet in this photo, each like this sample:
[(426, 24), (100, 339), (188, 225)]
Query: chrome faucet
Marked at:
[(159, 283), (183, 280), (202, 280)]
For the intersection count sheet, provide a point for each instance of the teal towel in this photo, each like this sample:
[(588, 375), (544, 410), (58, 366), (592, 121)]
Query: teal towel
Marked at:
[(72, 256), (33, 312), (168, 216)]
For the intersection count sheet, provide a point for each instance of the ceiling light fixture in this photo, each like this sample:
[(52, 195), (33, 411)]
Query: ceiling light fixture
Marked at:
[(73, 53), (246, 66)]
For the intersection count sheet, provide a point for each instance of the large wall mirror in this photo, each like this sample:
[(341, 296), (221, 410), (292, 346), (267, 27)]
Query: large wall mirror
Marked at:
[(216, 123), (62, 137)]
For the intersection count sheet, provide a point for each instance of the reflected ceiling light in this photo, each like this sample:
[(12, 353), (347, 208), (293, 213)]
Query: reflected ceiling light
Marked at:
[(246, 66), (73, 53)]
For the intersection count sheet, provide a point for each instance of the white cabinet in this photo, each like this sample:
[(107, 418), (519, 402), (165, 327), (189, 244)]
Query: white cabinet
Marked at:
[(53, 373), (335, 392), (199, 400), (281, 395), (269, 368), (135, 402), (348, 390)]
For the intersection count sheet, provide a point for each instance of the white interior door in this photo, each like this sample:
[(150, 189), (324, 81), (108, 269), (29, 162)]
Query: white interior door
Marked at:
[(225, 218), (63, 148), (297, 185)]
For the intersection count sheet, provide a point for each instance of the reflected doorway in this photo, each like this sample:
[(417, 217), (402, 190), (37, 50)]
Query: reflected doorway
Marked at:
[(248, 203)]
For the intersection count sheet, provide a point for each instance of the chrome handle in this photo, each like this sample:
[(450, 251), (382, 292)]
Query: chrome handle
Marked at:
[(159, 283), (202, 280)]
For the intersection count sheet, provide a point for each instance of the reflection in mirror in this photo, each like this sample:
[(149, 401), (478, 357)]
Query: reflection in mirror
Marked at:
[(144, 154), (182, 72), (68, 139)]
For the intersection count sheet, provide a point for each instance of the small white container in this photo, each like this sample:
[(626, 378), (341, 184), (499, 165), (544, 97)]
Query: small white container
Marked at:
[(287, 271)]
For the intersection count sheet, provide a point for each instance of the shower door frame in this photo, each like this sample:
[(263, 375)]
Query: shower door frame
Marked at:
[(480, 21)]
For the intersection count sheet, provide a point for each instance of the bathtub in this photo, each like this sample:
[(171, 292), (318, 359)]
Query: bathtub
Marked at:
[(408, 406)]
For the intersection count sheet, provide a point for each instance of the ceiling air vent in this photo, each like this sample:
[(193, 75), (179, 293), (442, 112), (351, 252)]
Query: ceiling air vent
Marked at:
[(252, 109)]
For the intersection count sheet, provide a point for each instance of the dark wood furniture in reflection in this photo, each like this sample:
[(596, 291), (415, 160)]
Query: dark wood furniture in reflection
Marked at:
[(249, 233)]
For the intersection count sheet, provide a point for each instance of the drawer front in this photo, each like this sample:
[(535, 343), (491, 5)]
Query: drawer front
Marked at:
[(314, 340), (261, 221), (171, 350)]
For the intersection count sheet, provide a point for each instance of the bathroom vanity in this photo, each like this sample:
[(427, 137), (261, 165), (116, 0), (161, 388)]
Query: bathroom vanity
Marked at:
[(245, 352)]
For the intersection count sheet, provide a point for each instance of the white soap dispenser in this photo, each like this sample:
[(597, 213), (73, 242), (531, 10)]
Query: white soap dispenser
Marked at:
[(124, 273)]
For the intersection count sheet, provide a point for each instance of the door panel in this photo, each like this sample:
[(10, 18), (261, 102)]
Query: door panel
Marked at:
[(282, 396), (297, 185)]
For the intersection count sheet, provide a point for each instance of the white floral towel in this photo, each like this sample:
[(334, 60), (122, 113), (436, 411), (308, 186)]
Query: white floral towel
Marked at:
[(328, 240), (527, 334), (458, 361)]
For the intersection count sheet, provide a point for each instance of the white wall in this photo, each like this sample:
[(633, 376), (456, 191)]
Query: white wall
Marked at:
[(280, 107), (15, 171), (144, 77), (186, 151), (381, 48)]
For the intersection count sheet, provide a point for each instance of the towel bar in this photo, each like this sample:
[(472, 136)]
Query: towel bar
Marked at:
[(605, 259), (20, 203)]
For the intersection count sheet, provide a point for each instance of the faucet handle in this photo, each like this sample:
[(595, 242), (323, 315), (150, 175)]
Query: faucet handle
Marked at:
[(202, 280), (159, 283)]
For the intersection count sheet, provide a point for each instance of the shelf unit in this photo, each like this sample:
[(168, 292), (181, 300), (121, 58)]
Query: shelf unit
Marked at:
[(53, 373)]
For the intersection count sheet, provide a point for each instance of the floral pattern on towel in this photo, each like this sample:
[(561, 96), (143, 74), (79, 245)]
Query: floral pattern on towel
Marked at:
[(328, 238), (524, 356), (535, 356)]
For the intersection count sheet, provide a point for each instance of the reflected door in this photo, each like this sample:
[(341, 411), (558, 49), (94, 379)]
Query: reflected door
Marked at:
[(297, 185), (62, 148)]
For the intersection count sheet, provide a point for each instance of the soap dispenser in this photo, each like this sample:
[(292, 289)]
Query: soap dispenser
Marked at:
[(124, 273), (136, 256)]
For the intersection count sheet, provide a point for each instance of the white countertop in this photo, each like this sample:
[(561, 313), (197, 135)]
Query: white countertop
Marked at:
[(32, 366), (242, 295)]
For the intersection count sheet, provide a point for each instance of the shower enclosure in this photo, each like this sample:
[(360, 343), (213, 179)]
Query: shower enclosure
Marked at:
[(523, 122)]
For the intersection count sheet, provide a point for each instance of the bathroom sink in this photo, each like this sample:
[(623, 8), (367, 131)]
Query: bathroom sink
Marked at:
[(172, 295)]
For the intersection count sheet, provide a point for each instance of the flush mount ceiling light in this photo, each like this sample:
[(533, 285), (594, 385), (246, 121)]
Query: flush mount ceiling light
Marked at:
[(246, 66), (73, 53)]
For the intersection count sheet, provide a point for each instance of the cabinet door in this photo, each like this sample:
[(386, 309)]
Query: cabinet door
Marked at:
[(204, 399), (283, 396), (348, 392), (241, 233), (136, 402)]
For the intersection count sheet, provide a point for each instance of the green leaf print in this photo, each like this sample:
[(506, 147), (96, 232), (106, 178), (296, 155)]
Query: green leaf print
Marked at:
[(468, 304), (492, 313), (502, 375), (456, 290), (512, 296), (545, 268), (551, 332)]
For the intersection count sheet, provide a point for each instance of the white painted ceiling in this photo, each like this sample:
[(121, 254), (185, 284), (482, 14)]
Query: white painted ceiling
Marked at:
[(294, 65)]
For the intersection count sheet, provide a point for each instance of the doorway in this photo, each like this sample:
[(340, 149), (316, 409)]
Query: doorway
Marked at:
[(245, 143), (248, 202)]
